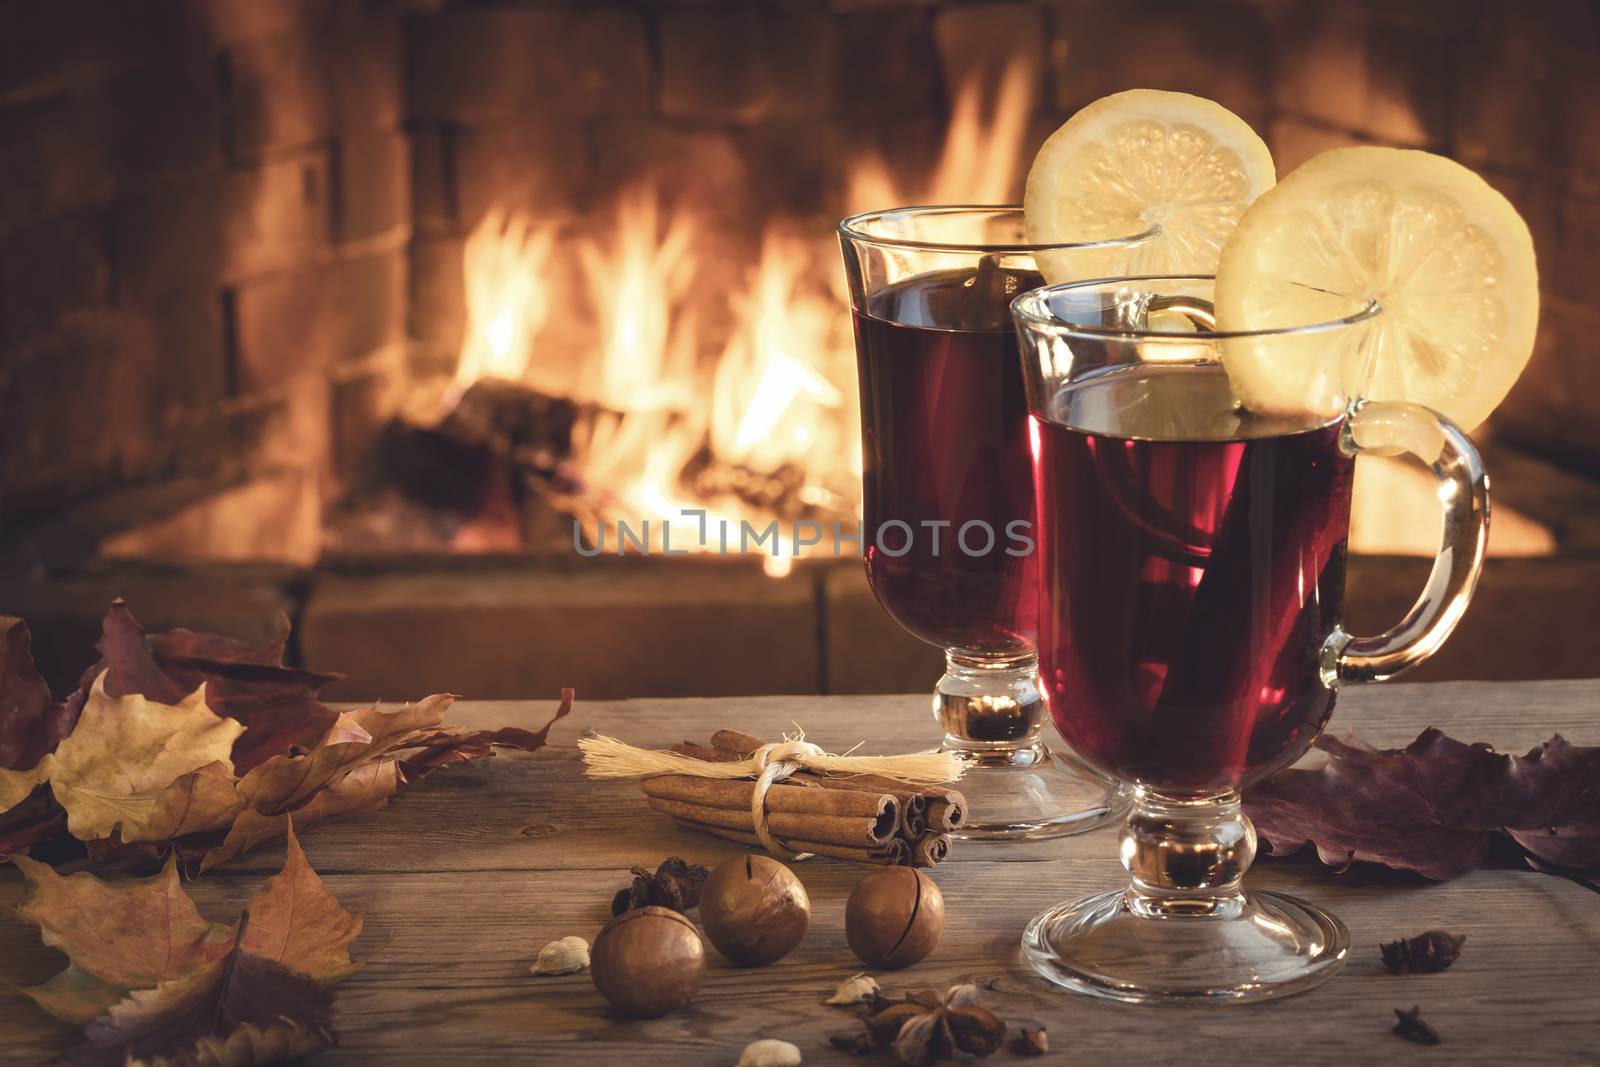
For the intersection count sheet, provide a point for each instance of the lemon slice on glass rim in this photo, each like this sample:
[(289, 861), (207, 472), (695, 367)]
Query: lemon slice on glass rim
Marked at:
[(1445, 257), (1180, 167)]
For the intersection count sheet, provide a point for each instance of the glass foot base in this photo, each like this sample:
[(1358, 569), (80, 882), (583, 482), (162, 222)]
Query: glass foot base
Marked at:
[(1254, 946), (1032, 793)]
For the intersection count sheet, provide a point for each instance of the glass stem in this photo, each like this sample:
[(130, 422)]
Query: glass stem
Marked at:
[(1186, 855), (990, 703)]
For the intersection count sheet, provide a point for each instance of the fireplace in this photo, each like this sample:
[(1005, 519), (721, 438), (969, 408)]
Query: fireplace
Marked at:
[(360, 312)]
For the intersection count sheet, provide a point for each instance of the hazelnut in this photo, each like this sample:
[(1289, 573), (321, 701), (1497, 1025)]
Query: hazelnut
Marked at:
[(894, 917), (754, 910), (648, 962)]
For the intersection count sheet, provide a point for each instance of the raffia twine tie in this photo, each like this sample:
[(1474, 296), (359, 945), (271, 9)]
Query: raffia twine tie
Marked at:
[(777, 760), (607, 757)]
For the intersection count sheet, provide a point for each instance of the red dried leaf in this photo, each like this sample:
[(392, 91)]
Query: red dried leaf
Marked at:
[(1431, 806), (36, 819), (450, 746), (30, 725), (278, 705)]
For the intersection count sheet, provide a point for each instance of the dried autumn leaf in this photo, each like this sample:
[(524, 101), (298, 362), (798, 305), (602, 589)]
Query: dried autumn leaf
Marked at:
[(139, 934), (277, 705), (29, 724), (1431, 806), (284, 782), (365, 788), (296, 921), (36, 819), (294, 754), (118, 937), (238, 1011), (30, 728), (206, 799), (124, 752)]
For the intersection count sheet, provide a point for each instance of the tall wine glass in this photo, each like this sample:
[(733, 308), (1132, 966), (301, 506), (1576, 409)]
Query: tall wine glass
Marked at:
[(948, 494), (1192, 561)]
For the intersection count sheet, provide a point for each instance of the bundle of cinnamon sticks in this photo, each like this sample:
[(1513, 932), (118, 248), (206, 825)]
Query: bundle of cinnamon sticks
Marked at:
[(859, 818)]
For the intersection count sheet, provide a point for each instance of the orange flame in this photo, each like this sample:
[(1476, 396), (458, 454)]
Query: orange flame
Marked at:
[(983, 152), (503, 264)]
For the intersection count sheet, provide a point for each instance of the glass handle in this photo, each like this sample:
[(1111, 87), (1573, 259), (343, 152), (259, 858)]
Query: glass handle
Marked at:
[(1384, 429)]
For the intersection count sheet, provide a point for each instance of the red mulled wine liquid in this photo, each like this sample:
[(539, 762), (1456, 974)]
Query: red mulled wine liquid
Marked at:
[(944, 423), (1192, 563)]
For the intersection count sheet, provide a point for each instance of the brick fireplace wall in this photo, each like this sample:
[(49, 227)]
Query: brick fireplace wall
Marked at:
[(204, 229)]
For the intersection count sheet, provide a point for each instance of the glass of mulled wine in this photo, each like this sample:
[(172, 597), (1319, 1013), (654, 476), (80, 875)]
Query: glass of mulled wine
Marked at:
[(1191, 562), (947, 530)]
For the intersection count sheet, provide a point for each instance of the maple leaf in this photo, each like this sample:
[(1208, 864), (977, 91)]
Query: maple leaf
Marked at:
[(146, 932), (118, 937), (1431, 806), (109, 772), (294, 920)]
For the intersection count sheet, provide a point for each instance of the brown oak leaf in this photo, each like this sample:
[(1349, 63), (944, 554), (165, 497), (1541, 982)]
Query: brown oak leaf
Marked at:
[(240, 1010), (1431, 806)]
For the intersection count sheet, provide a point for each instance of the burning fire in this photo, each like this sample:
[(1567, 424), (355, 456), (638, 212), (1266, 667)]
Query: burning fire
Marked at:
[(687, 429), (768, 429)]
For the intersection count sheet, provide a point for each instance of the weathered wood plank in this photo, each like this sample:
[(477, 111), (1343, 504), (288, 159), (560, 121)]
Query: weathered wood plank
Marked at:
[(464, 878)]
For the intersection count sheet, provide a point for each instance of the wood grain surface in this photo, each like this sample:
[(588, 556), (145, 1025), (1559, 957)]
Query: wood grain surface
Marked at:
[(463, 879)]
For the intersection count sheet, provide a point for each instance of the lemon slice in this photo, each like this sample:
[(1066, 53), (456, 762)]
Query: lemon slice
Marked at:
[(1139, 160), (1447, 259)]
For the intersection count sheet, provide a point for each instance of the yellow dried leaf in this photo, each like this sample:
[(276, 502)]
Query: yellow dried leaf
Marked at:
[(125, 752)]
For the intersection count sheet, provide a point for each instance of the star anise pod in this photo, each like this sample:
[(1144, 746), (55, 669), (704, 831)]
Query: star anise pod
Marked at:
[(1427, 952), (1410, 1025), (926, 1027), (675, 884)]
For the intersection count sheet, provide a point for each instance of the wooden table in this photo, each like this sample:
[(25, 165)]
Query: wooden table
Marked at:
[(463, 879)]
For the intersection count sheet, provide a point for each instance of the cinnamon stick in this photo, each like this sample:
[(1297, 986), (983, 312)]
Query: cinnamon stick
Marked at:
[(706, 752), (930, 849), (913, 805), (882, 810), (945, 809), (896, 852), (831, 829)]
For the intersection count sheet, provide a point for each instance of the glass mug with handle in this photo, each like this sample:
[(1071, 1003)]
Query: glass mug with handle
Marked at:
[(948, 494), (1191, 567)]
